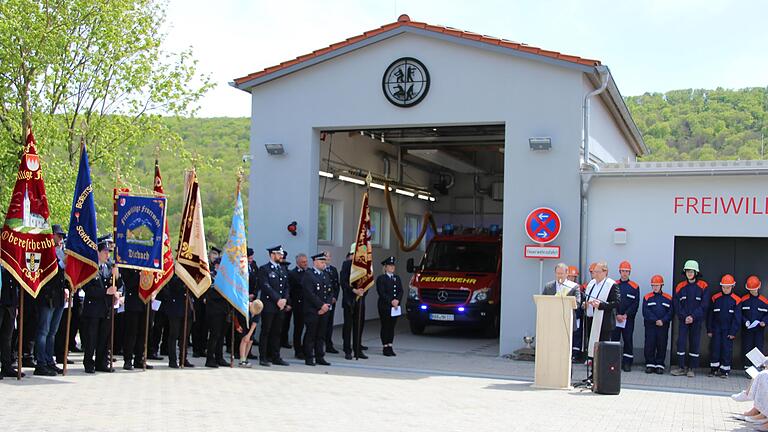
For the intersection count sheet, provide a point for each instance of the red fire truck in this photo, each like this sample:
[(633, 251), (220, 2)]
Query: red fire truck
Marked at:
[(457, 283)]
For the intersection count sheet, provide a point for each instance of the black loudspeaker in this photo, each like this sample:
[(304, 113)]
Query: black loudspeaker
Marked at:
[(607, 368)]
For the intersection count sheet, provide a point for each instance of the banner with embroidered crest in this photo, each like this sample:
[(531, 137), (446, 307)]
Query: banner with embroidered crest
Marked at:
[(192, 252), (82, 261), (27, 248), (152, 282), (139, 225), (232, 278), (362, 260)]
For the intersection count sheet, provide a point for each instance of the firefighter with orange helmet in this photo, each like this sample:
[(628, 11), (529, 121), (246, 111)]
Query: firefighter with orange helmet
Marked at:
[(657, 314), (629, 295), (754, 316), (723, 323)]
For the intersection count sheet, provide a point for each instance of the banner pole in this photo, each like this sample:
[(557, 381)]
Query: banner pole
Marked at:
[(184, 335), (146, 334), (66, 341), (112, 327), (21, 333), (357, 340), (232, 343)]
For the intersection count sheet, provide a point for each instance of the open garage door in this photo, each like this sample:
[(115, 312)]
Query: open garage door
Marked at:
[(453, 172), (739, 256)]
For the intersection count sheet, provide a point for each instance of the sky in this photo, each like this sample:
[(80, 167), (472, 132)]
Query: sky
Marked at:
[(649, 45)]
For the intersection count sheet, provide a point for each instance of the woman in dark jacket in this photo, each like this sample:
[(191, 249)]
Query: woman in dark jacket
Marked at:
[(390, 290)]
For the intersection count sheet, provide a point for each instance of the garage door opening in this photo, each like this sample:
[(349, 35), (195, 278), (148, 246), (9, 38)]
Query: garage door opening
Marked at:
[(738, 256), (456, 174)]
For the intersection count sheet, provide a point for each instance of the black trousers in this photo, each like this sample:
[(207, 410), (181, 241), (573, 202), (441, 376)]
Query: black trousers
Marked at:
[(387, 323), (298, 326), (30, 325), (314, 338), (354, 317), (133, 339), (175, 338), (158, 333), (199, 329), (95, 332), (285, 329), (215, 348), (7, 320), (269, 338), (328, 335)]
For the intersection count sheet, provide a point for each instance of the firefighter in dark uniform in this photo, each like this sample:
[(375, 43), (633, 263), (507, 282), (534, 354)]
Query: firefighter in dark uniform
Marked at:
[(317, 297), (172, 299), (754, 309), (216, 312), (94, 327), (9, 302), (629, 302), (275, 294), (691, 304), (288, 312), (657, 314), (333, 277), (723, 323), (390, 290), (134, 321), (353, 302), (295, 278)]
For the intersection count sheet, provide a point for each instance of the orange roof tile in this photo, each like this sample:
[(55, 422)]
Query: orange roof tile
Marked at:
[(405, 21)]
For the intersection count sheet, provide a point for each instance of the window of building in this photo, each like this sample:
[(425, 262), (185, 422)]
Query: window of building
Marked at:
[(377, 226), (325, 222), (412, 230)]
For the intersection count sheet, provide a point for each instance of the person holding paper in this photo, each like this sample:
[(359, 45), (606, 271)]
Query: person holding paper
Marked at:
[(657, 314), (629, 295), (691, 304), (754, 314), (723, 321), (390, 290), (564, 286)]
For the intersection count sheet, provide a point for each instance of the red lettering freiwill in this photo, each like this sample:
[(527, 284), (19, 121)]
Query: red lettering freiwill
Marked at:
[(720, 205)]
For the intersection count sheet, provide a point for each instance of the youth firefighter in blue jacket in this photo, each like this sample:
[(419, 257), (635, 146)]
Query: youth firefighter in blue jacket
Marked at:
[(629, 295), (691, 305), (723, 322), (657, 314), (754, 316)]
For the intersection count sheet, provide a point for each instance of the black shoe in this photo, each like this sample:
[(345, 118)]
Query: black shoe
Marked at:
[(280, 362), (348, 356), (187, 364), (713, 372), (44, 371), (363, 347), (331, 349), (127, 366), (386, 352), (90, 370), (56, 369), (649, 370), (309, 362), (361, 355), (299, 355), (287, 346), (265, 363), (173, 365), (211, 365), (154, 357), (322, 362), (106, 369), (222, 363), (660, 370), (28, 362), (626, 368)]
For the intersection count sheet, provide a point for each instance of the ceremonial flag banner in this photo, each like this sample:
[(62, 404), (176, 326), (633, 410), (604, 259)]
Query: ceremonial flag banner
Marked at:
[(27, 249), (152, 282), (192, 254), (139, 232), (362, 261), (232, 277), (81, 248)]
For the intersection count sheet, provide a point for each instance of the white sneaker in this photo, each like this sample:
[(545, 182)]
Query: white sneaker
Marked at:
[(741, 396)]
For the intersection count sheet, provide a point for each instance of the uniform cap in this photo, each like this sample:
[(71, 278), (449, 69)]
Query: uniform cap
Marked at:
[(727, 280), (320, 256), (249, 252), (388, 261), (57, 230), (275, 249), (215, 249), (753, 283)]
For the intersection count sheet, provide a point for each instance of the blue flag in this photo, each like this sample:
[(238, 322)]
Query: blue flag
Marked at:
[(139, 229), (232, 278), (81, 247)]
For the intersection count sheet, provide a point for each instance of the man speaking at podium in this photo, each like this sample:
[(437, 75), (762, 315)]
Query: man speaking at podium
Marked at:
[(561, 286)]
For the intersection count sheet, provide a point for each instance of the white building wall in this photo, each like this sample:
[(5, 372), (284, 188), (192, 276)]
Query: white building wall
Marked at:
[(606, 139), (646, 208)]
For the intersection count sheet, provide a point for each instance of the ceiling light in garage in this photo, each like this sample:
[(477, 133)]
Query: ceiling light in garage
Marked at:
[(326, 174), (405, 192), (351, 180), (424, 197), (445, 159), (377, 186)]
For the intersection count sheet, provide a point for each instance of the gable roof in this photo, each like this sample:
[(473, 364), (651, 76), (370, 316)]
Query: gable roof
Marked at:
[(611, 97)]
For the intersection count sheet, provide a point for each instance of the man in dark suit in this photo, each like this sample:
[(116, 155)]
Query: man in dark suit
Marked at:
[(333, 277), (172, 299), (134, 321), (295, 278), (9, 301), (216, 311), (275, 294), (94, 328), (354, 311), (317, 303)]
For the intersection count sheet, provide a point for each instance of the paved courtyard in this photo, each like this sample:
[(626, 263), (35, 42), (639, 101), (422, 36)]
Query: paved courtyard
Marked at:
[(420, 389)]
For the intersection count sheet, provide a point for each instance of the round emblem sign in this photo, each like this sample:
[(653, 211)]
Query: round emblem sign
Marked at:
[(405, 82)]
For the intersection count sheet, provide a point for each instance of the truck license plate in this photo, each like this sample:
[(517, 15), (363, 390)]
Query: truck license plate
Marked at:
[(441, 317)]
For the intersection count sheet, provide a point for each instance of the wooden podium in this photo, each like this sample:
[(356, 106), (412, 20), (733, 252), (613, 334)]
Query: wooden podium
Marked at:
[(554, 340)]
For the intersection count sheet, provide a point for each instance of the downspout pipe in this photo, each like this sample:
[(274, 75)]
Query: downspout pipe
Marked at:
[(588, 168)]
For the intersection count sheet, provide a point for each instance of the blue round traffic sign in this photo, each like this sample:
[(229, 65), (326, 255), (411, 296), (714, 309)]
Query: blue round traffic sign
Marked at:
[(542, 225)]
